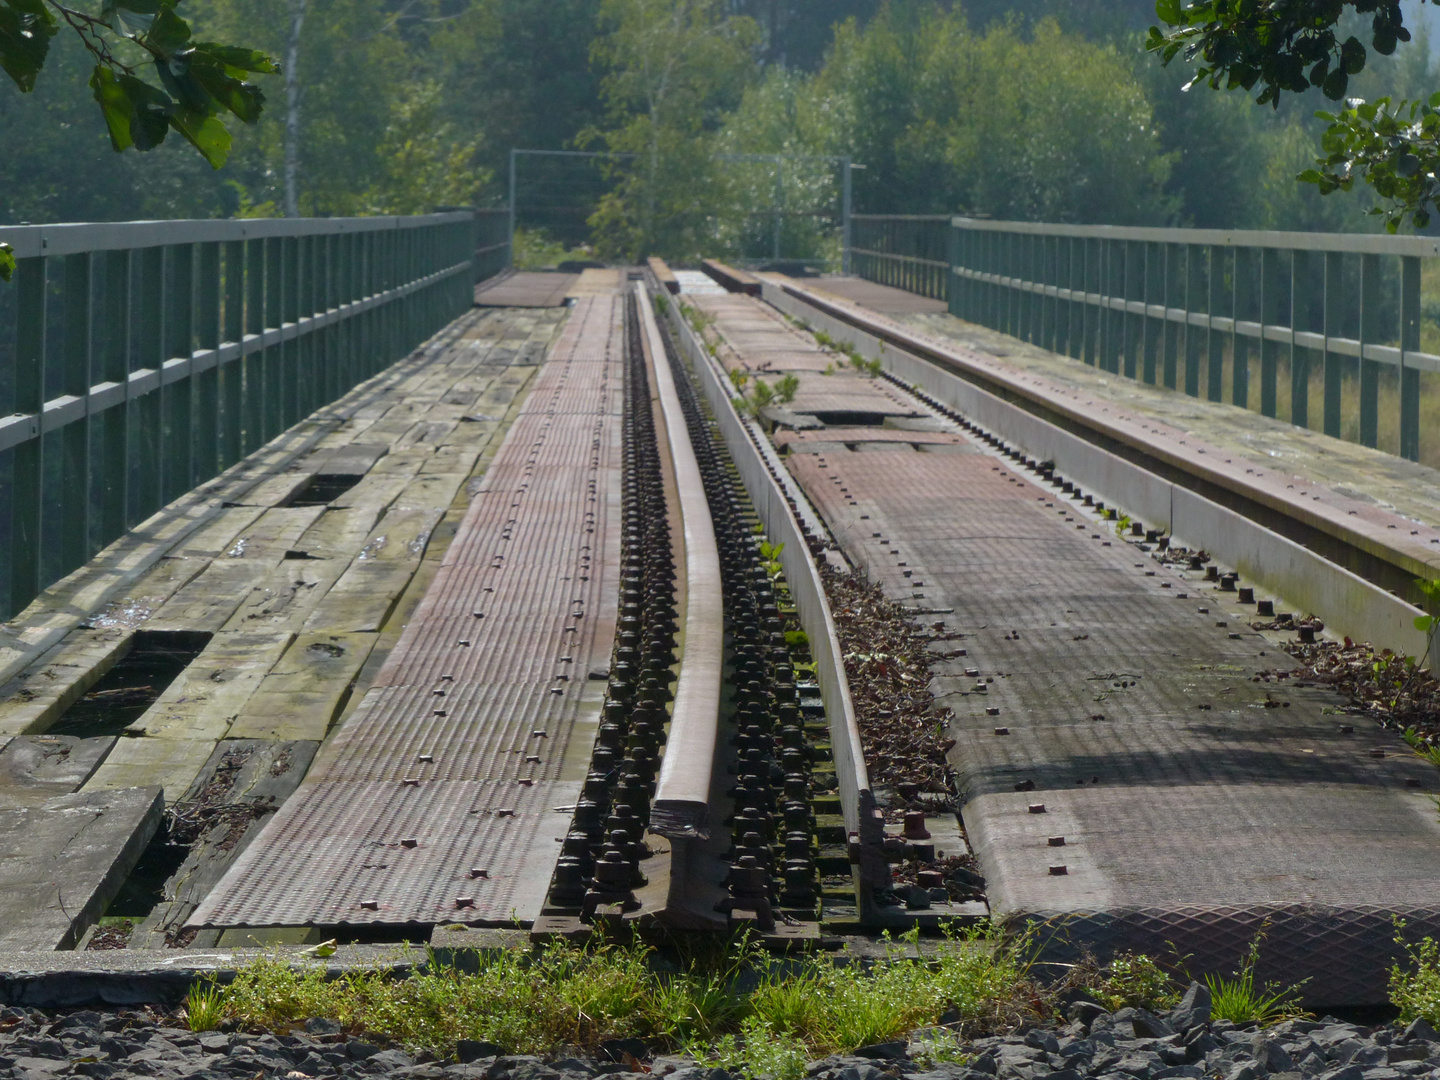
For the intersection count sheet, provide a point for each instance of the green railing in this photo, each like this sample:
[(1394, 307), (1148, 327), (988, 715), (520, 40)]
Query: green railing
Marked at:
[(138, 360), (492, 242), (1265, 320), (910, 252)]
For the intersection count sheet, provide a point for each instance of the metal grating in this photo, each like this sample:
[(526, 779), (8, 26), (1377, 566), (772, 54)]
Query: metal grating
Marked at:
[(1194, 802), (407, 798)]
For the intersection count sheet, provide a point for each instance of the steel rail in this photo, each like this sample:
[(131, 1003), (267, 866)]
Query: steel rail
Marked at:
[(681, 808), (770, 498)]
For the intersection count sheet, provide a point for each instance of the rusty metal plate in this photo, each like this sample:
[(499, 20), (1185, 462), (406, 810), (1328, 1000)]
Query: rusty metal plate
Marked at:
[(1193, 801), (526, 288), (477, 706), (411, 852)]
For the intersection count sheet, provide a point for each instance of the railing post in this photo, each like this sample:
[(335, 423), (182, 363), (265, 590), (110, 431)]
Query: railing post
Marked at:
[(114, 367), (1371, 332), (1114, 289), (1174, 297), (1154, 296), (1243, 306), (232, 375), (147, 460), (1134, 290), (1215, 341), (67, 537), (1300, 288), (1409, 342), (207, 383), (1271, 284), (257, 393), (28, 459), (1194, 302), (178, 475), (1333, 362)]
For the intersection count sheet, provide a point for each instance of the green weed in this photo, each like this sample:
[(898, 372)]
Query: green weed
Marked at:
[(763, 393), (738, 378), (1415, 989), (204, 1008), (1238, 999), (787, 386), (764, 1014), (1135, 980)]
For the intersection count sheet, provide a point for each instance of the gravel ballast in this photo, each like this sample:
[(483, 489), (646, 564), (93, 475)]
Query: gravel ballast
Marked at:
[(1130, 1044)]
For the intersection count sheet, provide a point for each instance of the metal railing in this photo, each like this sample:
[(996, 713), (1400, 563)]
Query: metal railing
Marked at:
[(138, 360), (492, 242), (1265, 320), (908, 251)]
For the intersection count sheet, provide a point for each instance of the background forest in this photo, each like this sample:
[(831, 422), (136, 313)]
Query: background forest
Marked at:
[(1028, 109)]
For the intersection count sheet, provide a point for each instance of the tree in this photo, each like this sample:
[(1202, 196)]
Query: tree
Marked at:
[(1274, 47), (676, 67)]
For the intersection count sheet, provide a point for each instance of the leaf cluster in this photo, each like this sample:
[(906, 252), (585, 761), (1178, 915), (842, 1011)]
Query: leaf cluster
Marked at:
[(1279, 45), (198, 81)]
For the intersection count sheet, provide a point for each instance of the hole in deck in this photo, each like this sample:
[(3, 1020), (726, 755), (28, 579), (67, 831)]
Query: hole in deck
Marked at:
[(850, 419), (130, 687), (324, 488)]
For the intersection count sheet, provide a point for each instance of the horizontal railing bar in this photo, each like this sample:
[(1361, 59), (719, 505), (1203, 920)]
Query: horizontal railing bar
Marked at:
[(941, 263), (30, 241), (66, 409), (1357, 243), (1383, 354)]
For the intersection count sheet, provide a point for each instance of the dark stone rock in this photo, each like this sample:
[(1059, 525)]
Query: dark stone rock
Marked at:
[(620, 1049), (468, 1050), (888, 1051), (213, 1043), (1420, 1028), (1149, 1026), (1406, 1052), (359, 1051), (1084, 1011), (389, 1059), (322, 1025), (660, 1067), (1271, 1054), (862, 1072), (1348, 1072), (117, 1049), (100, 1070), (1194, 1008), (1245, 1070)]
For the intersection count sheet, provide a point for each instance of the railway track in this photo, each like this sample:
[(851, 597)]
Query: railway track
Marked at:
[(673, 668)]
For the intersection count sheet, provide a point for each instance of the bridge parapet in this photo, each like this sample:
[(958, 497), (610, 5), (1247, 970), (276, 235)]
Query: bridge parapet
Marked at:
[(1252, 318), (140, 359)]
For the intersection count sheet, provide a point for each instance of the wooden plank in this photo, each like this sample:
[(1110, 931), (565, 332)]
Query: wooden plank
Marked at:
[(274, 533), (168, 764), (456, 458), (148, 594), (233, 797), (31, 701), (363, 598), (34, 768), (209, 601), (339, 533), (212, 691), (377, 490), (63, 861), (303, 693), (285, 596)]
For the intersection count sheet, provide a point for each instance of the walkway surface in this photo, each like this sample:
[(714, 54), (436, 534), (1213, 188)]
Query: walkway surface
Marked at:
[(287, 579), (1119, 763), (445, 794), (1350, 470)]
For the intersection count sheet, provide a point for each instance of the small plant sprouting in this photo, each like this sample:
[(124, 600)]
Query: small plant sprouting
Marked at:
[(764, 393), (786, 387), (1429, 623), (204, 1007), (738, 378), (662, 304), (770, 558), (1238, 999), (1122, 524)]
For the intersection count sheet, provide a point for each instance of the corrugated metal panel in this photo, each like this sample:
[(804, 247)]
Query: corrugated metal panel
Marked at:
[(444, 741)]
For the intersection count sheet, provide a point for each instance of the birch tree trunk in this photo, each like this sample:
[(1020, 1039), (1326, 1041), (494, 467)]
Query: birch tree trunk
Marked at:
[(292, 109)]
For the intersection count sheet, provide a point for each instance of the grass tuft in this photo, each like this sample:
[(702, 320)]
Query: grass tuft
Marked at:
[(741, 1005), (204, 1007), (1241, 1000)]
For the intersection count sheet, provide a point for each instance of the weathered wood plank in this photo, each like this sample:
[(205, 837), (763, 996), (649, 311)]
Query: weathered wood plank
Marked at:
[(31, 701), (212, 691), (168, 764), (63, 861), (363, 598), (34, 768), (209, 601), (283, 599), (304, 691)]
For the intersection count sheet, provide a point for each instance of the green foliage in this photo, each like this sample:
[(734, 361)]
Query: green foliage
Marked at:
[(1415, 989), (787, 386), (204, 1007), (755, 1012), (1296, 47), (770, 560), (1240, 1000), (1134, 980), (199, 81), (763, 393)]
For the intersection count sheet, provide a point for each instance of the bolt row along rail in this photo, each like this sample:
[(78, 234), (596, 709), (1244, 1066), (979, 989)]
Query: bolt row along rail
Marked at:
[(1264, 320), (141, 359)]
